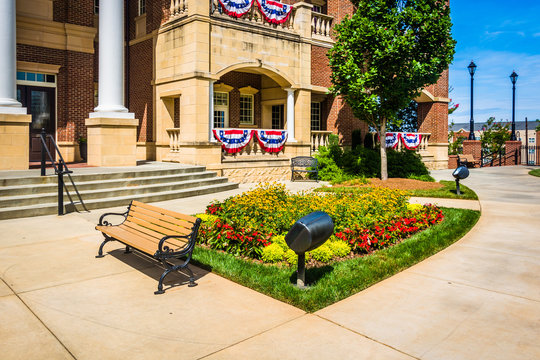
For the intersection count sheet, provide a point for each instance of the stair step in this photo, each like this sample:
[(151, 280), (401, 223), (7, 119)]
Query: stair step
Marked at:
[(102, 184), (104, 193), (81, 177), (51, 208)]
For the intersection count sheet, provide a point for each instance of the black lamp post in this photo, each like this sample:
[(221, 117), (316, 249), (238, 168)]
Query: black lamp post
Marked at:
[(472, 69), (513, 78)]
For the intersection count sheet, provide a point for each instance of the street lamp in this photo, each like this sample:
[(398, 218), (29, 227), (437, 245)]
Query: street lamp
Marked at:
[(472, 69), (513, 78)]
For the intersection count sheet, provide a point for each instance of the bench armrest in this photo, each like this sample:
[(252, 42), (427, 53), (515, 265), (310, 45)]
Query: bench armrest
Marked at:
[(187, 249), (103, 222)]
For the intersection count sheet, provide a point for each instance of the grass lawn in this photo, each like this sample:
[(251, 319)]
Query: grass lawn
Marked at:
[(448, 191), (339, 280), (535, 172)]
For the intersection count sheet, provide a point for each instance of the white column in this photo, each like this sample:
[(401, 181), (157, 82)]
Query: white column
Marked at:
[(290, 114), (8, 60), (111, 61), (211, 111)]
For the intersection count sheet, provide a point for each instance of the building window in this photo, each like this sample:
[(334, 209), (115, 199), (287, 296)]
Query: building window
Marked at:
[(96, 7), (531, 140), (246, 109), (47, 79), (221, 109), (315, 116), (277, 116), (142, 7)]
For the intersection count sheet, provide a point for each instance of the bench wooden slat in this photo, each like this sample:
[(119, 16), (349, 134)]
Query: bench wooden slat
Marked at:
[(176, 215), (129, 238), (163, 224), (175, 243), (166, 218), (149, 225), (142, 229)]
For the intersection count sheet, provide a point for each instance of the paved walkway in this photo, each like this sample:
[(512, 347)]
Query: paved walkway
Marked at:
[(478, 299)]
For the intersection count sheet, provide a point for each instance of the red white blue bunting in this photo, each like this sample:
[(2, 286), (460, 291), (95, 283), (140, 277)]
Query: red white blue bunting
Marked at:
[(233, 140), (236, 8), (411, 140), (271, 141), (273, 11), (392, 139)]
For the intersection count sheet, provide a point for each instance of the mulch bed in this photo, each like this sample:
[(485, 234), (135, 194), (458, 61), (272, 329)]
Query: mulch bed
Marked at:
[(397, 184)]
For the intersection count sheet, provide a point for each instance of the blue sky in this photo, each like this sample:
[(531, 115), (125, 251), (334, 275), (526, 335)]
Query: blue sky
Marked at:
[(500, 36)]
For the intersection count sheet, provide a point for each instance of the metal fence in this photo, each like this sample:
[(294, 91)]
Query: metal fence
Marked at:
[(530, 155)]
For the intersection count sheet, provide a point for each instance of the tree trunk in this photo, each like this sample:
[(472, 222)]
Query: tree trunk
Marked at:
[(384, 163)]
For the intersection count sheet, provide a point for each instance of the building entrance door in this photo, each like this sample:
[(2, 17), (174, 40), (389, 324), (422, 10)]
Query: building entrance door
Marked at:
[(40, 103)]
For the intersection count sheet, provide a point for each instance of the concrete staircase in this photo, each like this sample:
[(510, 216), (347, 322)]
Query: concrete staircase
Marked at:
[(32, 195)]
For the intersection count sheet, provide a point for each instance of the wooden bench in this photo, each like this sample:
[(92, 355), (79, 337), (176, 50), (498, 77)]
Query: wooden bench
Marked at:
[(306, 164), (467, 160), (158, 233)]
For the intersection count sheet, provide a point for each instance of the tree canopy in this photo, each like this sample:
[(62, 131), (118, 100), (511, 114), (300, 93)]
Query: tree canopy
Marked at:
[(386, 53)]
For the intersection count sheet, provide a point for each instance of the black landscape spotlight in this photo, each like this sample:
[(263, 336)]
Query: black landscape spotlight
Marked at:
[(306, 234), (459, 174)]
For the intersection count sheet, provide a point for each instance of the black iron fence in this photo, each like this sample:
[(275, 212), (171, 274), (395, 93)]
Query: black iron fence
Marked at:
[(499, 158), (530, 155)]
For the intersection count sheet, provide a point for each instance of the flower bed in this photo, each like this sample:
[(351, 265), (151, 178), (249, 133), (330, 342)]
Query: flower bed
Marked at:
[(253, 224)]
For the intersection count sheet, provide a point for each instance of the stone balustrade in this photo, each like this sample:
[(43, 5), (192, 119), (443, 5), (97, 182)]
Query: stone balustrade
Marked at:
[(253, 16), (174, 139), (321, 25), (178, 8), (318, 139)]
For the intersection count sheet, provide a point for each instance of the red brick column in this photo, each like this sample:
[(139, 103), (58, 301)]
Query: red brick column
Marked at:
[(452, 161), (473, 147), (513, 148)]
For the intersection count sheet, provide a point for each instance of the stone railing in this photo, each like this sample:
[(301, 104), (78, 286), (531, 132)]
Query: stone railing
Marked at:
[(321, 25), (318, 139), (178, 8), (174, 139), (253, 17)]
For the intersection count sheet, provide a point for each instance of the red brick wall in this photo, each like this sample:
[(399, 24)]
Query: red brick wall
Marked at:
[(75, 87), (74, 12), (239, 80), (433, 118), (320, 69), (140, 87)]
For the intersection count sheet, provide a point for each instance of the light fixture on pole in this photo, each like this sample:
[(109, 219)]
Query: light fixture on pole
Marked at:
[(472, 69), (513, 78)]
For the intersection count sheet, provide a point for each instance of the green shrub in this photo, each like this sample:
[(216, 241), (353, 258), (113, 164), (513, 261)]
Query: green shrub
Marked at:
[(323, 253), (339, 248), (361, 162), (292, 258), (402, 164), (356, 138), (273, 253)]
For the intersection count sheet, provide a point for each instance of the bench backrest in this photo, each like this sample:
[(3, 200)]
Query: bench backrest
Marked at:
[(155, 223), (304, 161), (467, 157)]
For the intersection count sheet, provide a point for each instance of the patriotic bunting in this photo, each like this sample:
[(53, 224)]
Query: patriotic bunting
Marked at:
[(273, 11), (233, 140), (236, 8), (411, 140), (271, 141), (392, 139)]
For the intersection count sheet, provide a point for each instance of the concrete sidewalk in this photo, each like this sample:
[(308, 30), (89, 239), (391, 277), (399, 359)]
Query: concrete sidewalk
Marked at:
[(480, 298)]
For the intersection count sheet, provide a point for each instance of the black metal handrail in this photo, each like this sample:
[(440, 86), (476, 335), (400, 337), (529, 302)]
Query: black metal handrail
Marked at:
[(500, 155), (60, 169)]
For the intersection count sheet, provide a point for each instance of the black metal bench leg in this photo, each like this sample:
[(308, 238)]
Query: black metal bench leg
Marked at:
[(192, 282), (128, 250), (160, 284), (100, 251)]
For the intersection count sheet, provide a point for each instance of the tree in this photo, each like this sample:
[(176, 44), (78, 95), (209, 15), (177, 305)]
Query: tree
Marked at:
[(494, 135), (385, 54)]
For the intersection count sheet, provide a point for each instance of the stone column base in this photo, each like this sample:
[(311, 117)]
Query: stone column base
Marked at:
[(112, 141), (14, 141), (436, 156)]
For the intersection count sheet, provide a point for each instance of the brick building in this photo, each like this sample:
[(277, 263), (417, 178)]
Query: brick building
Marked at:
[(151, 79)]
